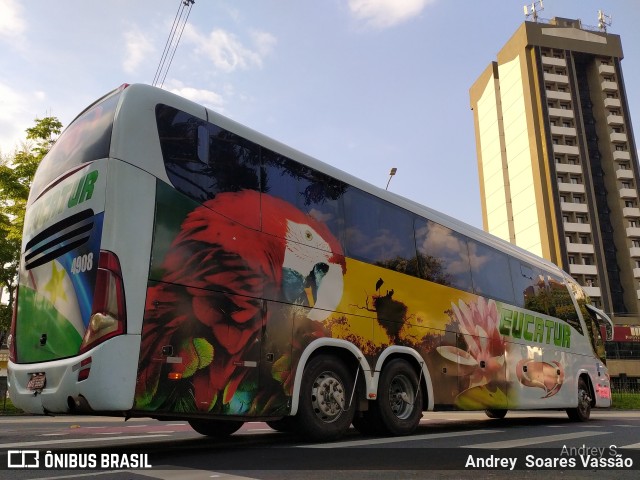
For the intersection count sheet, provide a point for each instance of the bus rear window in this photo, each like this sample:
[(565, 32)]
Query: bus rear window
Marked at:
[(88, 138)]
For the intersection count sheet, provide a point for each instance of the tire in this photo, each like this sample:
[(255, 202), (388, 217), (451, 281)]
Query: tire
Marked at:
[(216, 428), (324, 413), (583, 411), (399, 403), (285, 424), (496, 414)]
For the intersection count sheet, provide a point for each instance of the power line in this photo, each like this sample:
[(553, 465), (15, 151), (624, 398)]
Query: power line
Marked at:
[(170, 47)]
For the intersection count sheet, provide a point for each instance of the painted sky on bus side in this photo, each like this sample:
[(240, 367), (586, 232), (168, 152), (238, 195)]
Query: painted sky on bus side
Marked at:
[(364, 85)]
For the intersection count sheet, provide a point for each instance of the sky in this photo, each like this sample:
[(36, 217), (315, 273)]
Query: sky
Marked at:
[(363, 85)]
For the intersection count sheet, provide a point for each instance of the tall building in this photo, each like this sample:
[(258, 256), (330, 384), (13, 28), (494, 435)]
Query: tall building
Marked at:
[(557, 159)]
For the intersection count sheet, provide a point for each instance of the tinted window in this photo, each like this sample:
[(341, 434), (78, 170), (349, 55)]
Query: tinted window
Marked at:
[(312, 192), (88, 138), (379, 232), (562, 304), (442, 255), (530, 288), (203, 160), (490, 272)]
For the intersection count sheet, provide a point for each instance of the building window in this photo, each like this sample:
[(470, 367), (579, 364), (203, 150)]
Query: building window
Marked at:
[(572, 260), (633, 223), (586, 260), (635, 243), (629, 204), (626, 184), (584, 239)]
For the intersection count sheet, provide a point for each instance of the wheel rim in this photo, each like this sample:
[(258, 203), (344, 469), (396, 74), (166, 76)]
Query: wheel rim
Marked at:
[(584, 402), (327, 397), (401, 397)]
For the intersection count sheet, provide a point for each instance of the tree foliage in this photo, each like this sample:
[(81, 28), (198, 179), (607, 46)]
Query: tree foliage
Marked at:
[(16, 175)]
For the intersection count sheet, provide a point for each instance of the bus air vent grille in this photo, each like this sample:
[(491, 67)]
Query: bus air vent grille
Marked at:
[(58, 239)]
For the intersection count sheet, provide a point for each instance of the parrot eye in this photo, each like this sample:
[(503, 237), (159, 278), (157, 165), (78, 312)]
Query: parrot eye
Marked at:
[(308, 234)]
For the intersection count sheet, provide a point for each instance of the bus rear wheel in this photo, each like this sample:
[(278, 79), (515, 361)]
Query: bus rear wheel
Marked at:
[(495, 413), (399, 404), (216, 428), (324, 412), (583, 411)]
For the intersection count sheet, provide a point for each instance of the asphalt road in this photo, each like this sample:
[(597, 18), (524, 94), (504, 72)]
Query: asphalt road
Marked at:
[(447, 445)]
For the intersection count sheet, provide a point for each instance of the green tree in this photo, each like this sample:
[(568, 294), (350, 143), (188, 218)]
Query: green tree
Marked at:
[(16, 175)]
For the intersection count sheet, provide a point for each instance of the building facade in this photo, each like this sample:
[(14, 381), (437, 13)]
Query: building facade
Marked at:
[(557, 161)]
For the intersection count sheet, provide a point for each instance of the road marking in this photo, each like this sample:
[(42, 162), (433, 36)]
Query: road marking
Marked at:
[(633, 445), (52, 434), (169, 474), (412, 438), (109, 433), (165, 431), (522, 442), (75, 440)]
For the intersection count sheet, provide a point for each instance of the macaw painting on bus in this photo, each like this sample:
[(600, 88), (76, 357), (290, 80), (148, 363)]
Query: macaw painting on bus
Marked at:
[(232, 308)]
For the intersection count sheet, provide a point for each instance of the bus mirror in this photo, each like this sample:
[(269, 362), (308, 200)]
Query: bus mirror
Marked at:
[(203, 144)]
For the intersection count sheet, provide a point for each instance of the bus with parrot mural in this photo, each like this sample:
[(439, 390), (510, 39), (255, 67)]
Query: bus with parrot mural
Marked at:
[(178, 265)]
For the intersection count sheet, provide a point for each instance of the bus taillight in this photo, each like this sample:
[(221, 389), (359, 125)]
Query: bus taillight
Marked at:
[(11, 339), (108, 315)]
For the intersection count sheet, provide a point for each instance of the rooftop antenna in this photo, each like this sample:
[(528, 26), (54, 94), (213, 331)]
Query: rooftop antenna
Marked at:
[(604, 21), (533, 9), (392, 172)]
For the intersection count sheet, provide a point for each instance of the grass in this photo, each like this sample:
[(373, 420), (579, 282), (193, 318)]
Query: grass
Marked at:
[(626, 401), (7, 408)]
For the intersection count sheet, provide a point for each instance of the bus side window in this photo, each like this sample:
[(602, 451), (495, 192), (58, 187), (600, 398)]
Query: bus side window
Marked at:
[(379, 232), (490, 272), (531, 290), (232, 164), (443, 256), (562, 303), (312, 192)]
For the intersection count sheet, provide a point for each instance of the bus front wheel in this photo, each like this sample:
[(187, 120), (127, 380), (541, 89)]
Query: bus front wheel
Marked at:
[(325, 412), (399, 403), (215, 428), (495, 413), (583, 411)]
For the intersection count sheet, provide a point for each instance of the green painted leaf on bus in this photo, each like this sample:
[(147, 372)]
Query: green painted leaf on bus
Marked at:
[(62, 338)]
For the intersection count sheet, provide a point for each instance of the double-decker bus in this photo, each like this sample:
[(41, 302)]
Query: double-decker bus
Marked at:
[(178, 265)]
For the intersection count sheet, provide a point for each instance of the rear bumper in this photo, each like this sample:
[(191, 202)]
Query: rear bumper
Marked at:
[(110, 386)]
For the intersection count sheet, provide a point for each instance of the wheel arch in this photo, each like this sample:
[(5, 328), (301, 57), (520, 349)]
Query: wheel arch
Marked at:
[(342, 349), (584, 375)]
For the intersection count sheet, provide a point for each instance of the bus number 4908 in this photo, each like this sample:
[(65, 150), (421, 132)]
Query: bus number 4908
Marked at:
[(82, 263)]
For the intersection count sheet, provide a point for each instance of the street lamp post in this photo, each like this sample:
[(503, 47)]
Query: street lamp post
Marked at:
[(391, 174)]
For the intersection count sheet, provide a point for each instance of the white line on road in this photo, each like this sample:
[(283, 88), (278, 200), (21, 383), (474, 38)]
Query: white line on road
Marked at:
[(75, 440), (521, 442), (412, 438), (634, 445), (169, 474)]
